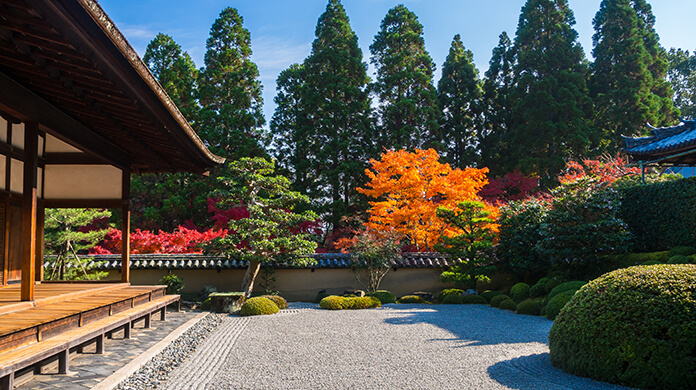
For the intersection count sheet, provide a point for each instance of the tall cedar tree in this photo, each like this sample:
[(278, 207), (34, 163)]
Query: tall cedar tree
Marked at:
[(628, 80), (167, 200), (682, 76), (460, 97), (230, 92), (407, 112), (336, 99), (497, 102), (552, 106)]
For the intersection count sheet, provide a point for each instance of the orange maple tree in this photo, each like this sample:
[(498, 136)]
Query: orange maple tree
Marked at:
[(409, 187)]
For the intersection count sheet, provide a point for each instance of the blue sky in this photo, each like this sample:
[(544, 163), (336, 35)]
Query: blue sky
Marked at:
[(282, 30)]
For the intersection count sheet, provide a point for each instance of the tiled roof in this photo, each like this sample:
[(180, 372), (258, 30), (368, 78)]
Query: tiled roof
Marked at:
[(198, 261), (663, 140)]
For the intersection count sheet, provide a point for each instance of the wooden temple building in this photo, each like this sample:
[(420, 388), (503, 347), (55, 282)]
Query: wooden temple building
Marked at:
[(79, 113), (666, 146)]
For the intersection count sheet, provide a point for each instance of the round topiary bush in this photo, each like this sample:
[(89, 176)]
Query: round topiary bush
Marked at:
[(520, 292), (278, 300), (530, 306), (567, 286), (682, 250), (332, 302), (495, 301), (488, 294), (679, 259), (452, 299), (553, 282), (411, 299), (634, 327), (258, 306), (448, 291), (473, 299), (508, 304), (538, 290), (556, 304), (384, 296)]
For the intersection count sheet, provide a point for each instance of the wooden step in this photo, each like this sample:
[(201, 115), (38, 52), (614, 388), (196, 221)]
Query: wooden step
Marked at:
[(20, 358)]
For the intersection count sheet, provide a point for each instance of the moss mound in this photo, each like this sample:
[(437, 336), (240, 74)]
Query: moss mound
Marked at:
[(520, 292), (384, 296), (278, 300), (411, 299), (496, 300), (447, 292), (473, 299), (452, 299), (530, 306), (332, 302), (682, 250), (258, 306), (679, 259), (567, 286), (633, 327), (554, 306), (488, 295), (508, 304)]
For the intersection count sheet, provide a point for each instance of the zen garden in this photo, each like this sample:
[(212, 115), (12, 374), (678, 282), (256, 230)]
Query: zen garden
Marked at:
[(524, 228)]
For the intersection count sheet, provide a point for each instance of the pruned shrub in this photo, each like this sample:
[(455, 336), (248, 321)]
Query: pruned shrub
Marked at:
[(452, 299), (633, 327), (449, 291), (682, 250), (411, 299), (496, 300), (553, 282), (332, 302), (473, 299), (508, 304), (679, 259), (278, 300), (554, 306), (488, 294), (258, 306), (384, 296), (520, 228), (567, 286), (537, 290), (520, 292), (530, 306), (173, 282)]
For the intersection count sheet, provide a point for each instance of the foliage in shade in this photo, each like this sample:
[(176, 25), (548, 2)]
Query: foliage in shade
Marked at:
[(321, 125), (557, 303), (633, 327), (498, 299), (566, 286), (460, 94), (230, 92), (497, 102), (407, 114), (271, 230), (174, 283), (508, 304), (682, 77), (628, 75), (520, 230), (471, 243), (520, 292), (409, 187), (550, 116), (530, 307)]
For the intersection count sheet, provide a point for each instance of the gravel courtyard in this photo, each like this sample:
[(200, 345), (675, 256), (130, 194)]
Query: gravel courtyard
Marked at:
[(393, 347)]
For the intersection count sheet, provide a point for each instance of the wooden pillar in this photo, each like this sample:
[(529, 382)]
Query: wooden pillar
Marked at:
[(40, 221), (125, 228), (29, 210)]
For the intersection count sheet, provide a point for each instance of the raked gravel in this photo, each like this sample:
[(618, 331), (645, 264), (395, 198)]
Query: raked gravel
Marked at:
[(393, 347)]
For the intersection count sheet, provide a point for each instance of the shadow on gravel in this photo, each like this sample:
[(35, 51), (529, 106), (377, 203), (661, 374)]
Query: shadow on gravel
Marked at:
[(476, 324), (536, 372)]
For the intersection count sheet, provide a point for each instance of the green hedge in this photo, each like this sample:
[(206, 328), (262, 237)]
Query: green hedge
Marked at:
[(662, 215), (633, 327)]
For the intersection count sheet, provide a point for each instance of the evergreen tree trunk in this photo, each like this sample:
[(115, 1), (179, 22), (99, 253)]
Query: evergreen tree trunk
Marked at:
[(250, 276)]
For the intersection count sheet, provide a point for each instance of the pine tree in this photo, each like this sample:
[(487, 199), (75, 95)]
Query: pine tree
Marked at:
[(682, 77), (322, 121), (460, 97), (407, 113), (494, 146), (552, 106), (230, 91), (628, 80), (175, 71)]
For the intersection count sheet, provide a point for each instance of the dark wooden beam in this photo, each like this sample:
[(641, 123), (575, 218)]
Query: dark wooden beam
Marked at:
[(125, 228), (29, 210), (24, 104), (83, 203)]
